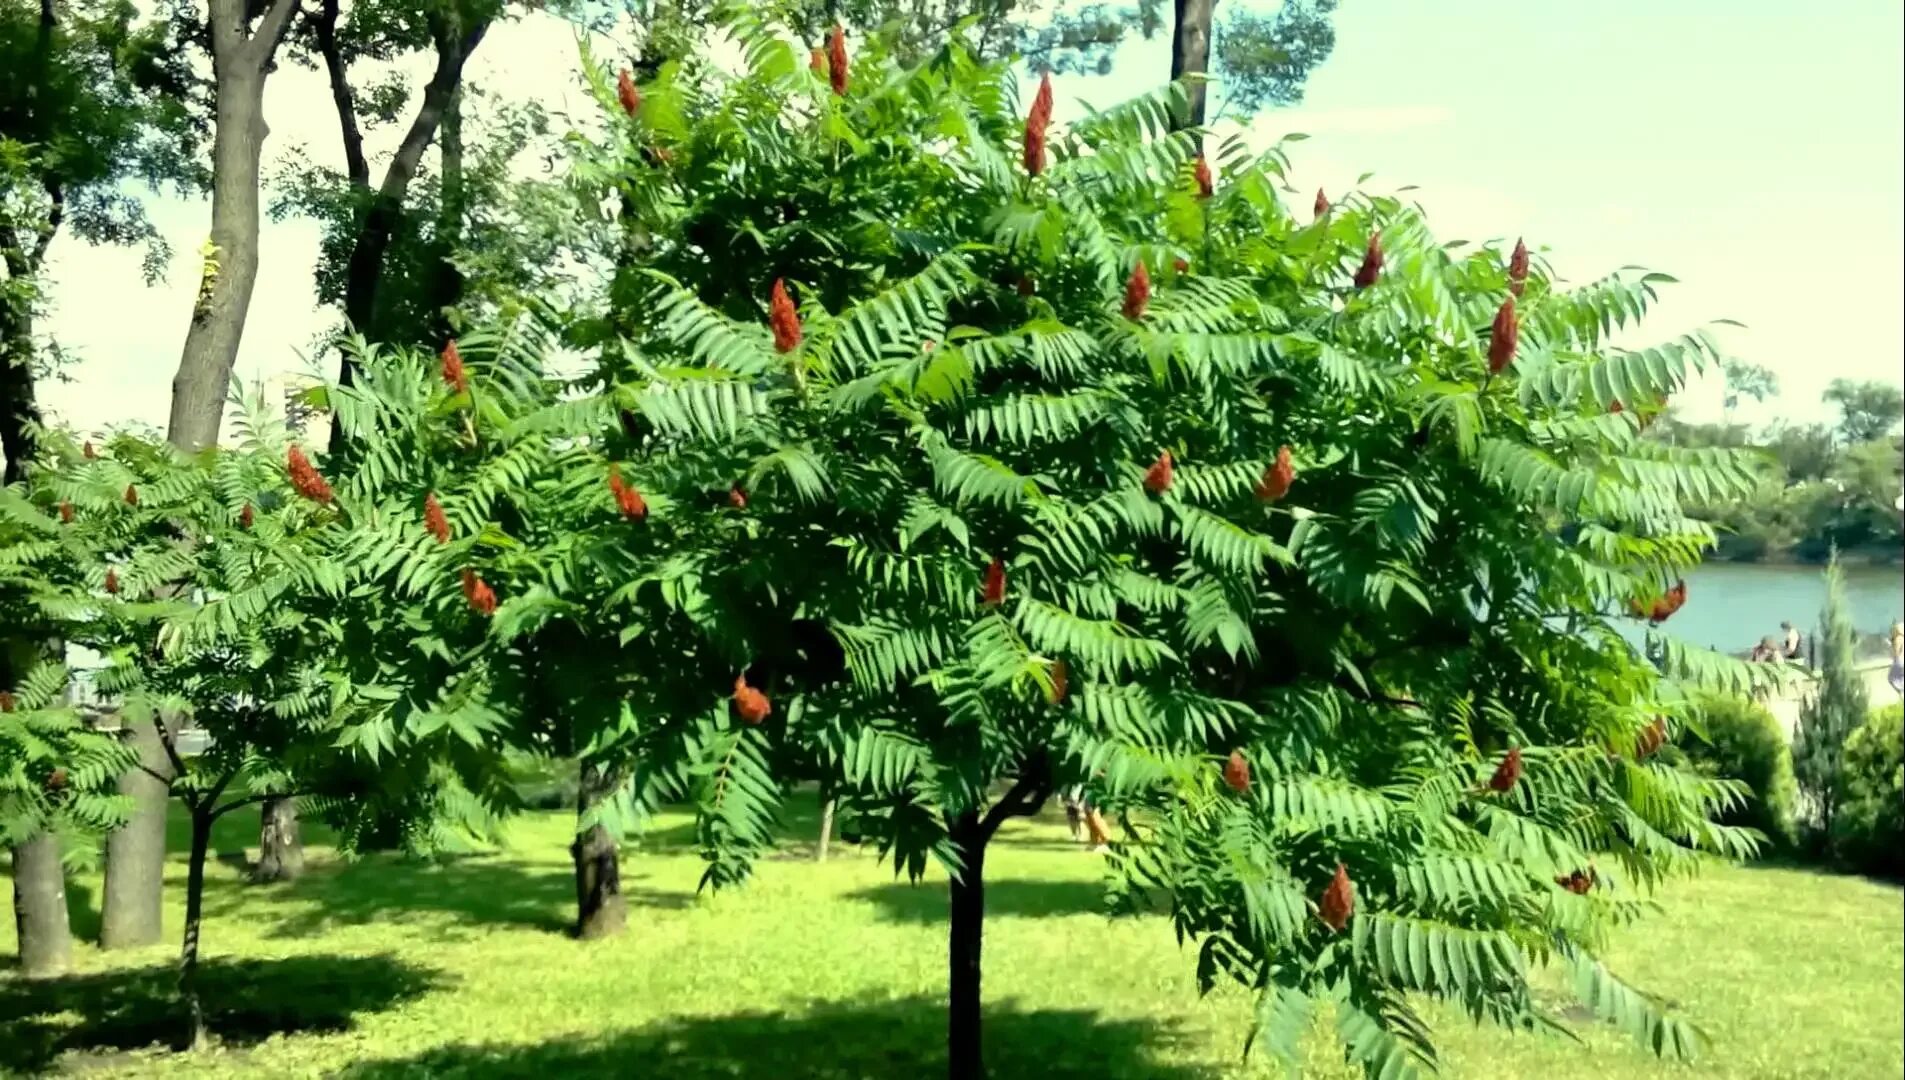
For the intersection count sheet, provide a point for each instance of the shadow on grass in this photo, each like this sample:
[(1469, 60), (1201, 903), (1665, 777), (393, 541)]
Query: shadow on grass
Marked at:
[(245, 1002), (866, 1040), (1006, 898), (478, 890)]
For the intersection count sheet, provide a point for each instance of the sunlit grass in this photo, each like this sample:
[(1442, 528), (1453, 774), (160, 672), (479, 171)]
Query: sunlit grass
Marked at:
[(836, 971)]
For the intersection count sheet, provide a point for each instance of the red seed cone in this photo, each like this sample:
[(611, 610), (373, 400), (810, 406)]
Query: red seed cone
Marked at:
[(434, 521), (1181, 264), (91, 454), (245, 517), (1616, 408), (453, 372), (305, 478), (1371, 269), (1042, 100), (1339, 900), (737, 497), (1137, 292), (837, 59), (625, 90), (1507, 772), (112, 581), (1577, 882), (66, 513), (132, 495), (1237, 772), (1157, 478), (1652, 737), (750, 704), (1518, 268), (1322, 206), (992, 588), (1503, 337), (1202, 173), (6, 701), (1061, 682), (1034, 148), (628, 499), (1277, 478), (482, 598), (782, 318)]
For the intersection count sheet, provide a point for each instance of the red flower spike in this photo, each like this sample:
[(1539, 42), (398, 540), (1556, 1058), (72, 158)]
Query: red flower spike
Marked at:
[(245, 517), (1276, 480), (66, 513), (1137, 292), (992, 588), (1616, 408), (782, 318), (434, 522), (1034, 149), (627, 498), (1503, 337), (750, 704), (1371, 269), (1202, 173), (1061, 682), (1578, 882), (1322, 206), (1507, 772), (6, 701), (1652, 737), (112, 581), (1157, 478), (737, 497), (1181, 264), (1042, 100), (630, 97), (453, 372), (837, 60), (132, 495), (1339, 900), (1518, 268), (482, 598), (305, 478), (1237, 772), (91, 454)]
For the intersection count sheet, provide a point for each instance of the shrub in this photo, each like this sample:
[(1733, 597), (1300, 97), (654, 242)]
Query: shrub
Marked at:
[(1745, 743), (1871, 825)]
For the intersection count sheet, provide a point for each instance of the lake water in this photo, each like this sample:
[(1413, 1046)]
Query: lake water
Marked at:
[(1730, 606)]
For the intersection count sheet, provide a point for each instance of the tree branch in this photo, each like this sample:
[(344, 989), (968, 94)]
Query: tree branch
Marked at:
[(452, 53), (165, 740), (1025, 797), (324, 30), (57, 193), (264, 40), (252, 800)]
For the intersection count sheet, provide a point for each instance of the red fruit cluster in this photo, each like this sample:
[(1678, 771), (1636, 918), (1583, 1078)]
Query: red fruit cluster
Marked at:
[(992, 588), (1503, 337), (1579, 882), (1061, 681), (6, 701), (1507, 772), (1202, 172), (1157, 478), (56, 780), (112, 581), (1518, 268), (132, 495), (1339, 900), (837, 59), (1652, 737), (1371, 269), (1322, 206), (434, 521), (1615, 407), (1137, 292), (305, 478), (1277, 478), (91, 454), (627, 499), (66, 513), (631, 98), (1237, 772), (737, 497), (245, 517), (1036, 121), (782, 318), (453, 372), (1663, 608), (750, 704), (482, 598)]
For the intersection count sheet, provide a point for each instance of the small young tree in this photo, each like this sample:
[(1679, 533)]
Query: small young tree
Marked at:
[(1829, 715)]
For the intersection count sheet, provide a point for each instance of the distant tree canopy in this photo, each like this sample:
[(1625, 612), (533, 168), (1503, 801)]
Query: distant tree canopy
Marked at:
[(1868, 409)]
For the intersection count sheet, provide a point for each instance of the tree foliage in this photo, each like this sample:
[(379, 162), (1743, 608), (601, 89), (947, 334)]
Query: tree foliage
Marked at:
[(1828, 717)]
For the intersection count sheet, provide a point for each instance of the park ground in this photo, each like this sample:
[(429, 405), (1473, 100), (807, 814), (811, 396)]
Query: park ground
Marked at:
[(382, 968)]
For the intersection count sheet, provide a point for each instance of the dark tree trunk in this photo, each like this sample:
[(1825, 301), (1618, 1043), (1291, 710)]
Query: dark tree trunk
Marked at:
[(1190, 53), (280, 847), (826, 828), (202, 819), (446, 283), (131, 909), (39, 907), (19, 410), (964, 1057), (601, 910)]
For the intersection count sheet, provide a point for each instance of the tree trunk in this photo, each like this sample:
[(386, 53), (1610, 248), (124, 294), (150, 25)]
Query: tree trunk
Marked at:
[(601, 910), (1190, 53), (19, 411), (194, 916), (964, 1058), (446, 283), (131, 909), (39, 907), (280, 847), (826, 828)]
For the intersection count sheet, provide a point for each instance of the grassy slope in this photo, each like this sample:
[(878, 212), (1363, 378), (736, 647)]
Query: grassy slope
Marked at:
[(386, 969)]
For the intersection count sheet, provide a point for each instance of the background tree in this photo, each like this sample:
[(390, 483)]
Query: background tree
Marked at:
[(1746, 380), (1867, 409), (1830, 715)]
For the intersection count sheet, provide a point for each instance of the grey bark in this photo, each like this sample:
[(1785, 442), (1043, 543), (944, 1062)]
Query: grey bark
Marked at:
[(826, 829), (280, 845), (39, 907), (131, 914), (601, 909), (1190, 52)]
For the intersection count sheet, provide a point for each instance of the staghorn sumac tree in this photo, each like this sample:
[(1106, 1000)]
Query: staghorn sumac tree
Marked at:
[(1287, 499)]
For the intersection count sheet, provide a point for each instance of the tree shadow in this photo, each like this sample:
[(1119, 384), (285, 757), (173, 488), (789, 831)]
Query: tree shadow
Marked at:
[(1007, 898), (245, 1002), (854, 1040), (476, 890)]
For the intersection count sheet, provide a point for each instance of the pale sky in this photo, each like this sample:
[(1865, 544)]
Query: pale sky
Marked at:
[(1753, 149)]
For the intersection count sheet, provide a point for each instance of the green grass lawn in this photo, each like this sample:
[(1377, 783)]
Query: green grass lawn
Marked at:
[(382, 968)]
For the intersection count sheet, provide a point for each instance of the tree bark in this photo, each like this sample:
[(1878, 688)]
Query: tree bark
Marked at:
[(202, 818), (39, 907), (965, 1059), (19, 409), (1190, 54), (280, 847), (601, 910), (131, 910), (826, 828)]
